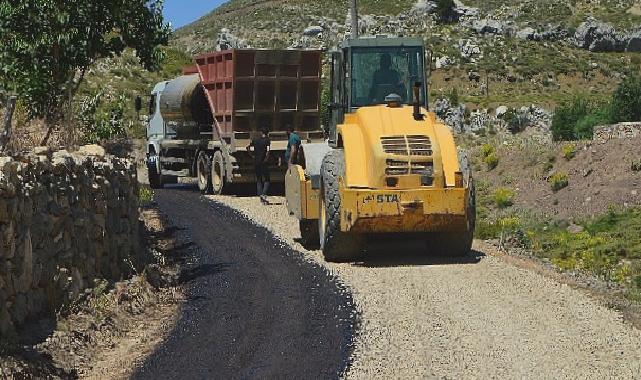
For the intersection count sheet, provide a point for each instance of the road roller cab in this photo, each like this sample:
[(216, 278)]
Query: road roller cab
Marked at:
[(389, 165)]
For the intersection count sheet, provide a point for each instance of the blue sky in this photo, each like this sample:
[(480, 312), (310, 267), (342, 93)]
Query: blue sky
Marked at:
[(182, 12)]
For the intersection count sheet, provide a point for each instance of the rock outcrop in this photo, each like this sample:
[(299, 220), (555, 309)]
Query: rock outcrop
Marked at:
[(598, 36)]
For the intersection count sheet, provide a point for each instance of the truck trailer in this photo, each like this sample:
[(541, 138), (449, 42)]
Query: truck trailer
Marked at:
[(201, 122)]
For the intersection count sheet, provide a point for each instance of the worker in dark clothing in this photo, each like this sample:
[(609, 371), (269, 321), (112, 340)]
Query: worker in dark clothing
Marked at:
[(386, 80), (260, 154), (293, 146)]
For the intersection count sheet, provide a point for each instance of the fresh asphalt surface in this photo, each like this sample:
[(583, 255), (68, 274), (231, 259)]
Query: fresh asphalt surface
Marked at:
[(254, 309)]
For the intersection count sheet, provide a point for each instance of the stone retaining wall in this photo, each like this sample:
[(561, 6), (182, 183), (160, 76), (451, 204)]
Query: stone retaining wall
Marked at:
[(617, 131), (65, 220)]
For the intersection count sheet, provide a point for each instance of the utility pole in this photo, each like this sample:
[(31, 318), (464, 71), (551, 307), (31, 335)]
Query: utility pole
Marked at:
[(353, 11)]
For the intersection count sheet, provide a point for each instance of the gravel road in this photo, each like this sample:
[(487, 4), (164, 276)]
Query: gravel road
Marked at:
[(479, 317), (254, 309)]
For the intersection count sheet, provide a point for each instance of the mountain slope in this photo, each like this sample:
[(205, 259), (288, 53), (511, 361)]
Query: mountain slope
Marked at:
[(518, 71)]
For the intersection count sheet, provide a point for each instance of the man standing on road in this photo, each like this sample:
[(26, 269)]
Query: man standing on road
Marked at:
[(260, 154), (293, 145)]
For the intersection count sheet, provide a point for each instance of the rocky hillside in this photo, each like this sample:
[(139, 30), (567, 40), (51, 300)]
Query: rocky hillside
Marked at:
[(499, 52)]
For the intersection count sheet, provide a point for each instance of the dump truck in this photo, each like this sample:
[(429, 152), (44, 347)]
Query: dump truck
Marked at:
[(202, 121), (390, 168)]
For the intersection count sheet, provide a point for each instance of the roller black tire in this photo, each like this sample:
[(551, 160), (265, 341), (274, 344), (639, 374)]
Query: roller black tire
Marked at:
[(337, 246), (203, 173), (217, 173), (309, 233)]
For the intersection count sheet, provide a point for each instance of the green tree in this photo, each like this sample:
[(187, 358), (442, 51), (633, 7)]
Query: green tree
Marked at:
[(446, 11), (566, 118), (626, 100), (48, 45)]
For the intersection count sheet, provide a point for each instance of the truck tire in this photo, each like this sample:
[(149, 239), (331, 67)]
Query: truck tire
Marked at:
[(152, 172), (337, 246), (217, 173), (309, 233), (203, 172)]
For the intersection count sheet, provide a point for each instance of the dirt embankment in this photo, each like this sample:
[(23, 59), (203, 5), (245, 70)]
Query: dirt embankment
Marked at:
[(599, 176)]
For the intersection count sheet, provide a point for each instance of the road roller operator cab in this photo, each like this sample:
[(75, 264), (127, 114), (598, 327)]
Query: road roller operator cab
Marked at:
[(372, 71)]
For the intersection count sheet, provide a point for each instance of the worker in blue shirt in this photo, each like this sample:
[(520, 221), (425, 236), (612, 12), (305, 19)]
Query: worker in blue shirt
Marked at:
[(293, 146)]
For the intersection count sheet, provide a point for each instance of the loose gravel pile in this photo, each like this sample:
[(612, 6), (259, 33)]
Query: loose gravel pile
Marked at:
[(475, 318)]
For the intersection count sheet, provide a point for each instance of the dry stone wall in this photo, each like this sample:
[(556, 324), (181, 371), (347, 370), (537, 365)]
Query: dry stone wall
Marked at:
[(617, 131), (66, 219)]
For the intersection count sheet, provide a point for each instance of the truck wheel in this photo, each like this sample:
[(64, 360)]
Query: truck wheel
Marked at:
[(337, 246), (203, 171), (152, 172), (217, 173), (309, 232)]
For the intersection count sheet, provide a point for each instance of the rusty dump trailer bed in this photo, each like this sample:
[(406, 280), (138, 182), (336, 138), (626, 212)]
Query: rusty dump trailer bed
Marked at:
[(251, 89), (225, 100)]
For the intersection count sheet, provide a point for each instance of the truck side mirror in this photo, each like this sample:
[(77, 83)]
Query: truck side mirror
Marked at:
[(138, 104)]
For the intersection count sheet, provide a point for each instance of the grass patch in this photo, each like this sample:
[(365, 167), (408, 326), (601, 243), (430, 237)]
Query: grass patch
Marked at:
[(146, 194), (609, 247)]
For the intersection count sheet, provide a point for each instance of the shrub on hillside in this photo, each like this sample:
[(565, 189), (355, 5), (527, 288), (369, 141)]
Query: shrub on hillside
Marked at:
[(558, 181), (489, 156), (636, 166), (492, 161), (487, 149), (569, 151), (503, 197)]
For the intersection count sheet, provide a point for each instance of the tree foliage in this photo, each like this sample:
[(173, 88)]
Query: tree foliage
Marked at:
[(102, 123), (446, 11), (626, 100), (577, 119), (49, 44)]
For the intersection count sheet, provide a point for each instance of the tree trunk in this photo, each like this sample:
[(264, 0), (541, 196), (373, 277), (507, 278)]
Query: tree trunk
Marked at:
[(49, 127), (8, 116)]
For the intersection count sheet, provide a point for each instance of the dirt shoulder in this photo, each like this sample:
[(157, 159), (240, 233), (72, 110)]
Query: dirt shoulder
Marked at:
[(599, 175), (109, 331)]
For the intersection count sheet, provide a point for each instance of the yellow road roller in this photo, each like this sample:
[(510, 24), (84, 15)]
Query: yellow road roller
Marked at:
[(389, 167)]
